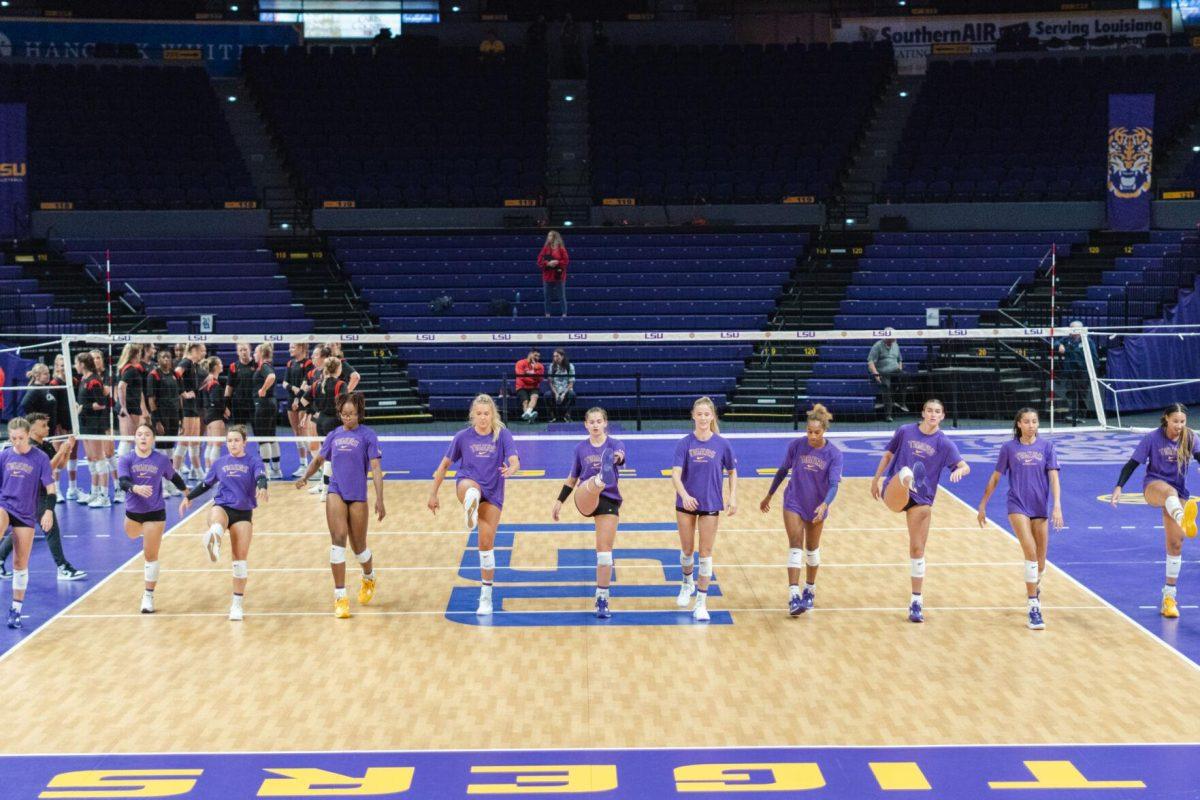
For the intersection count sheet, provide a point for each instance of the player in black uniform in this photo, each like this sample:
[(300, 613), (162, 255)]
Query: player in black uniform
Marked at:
[(293, 379), (93, 421), (266, 408), (240, 387), (326, 390), (213, 407), (187, 370)]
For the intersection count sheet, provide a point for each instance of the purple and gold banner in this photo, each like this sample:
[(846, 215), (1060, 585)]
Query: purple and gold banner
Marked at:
[(1130, 161), (14, 171)]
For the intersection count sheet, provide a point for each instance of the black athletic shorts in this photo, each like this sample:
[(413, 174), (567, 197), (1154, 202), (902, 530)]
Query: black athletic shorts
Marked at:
[(237, 515), (93, 426), (170, 426), (264, 420), (212, 415), (240, 413), (17, 522), (147, 516), (606, 506), (698, 513), (912, 503), (327, 425)]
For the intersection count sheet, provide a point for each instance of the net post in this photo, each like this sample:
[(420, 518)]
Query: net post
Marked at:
[(72, 400), (637, 391), (1053, 290), (1093, 380), (504, 399), (795, 402)]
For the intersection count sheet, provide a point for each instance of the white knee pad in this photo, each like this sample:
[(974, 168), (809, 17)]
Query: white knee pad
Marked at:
[(214, 452), (20, 579), (72, 465), (1031, 572), (706, 567), (364, 556), (813, 557), (686, 559), (239, 570), (100, 468), (123, 448), (150, 571), (1174, 565), (795, 558), (337, 555), (487, 559), (177, 451), (604, 559), (918, 568)]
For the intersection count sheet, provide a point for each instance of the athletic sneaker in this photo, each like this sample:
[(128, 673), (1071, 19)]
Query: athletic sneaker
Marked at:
[(14, 618), (366, 592), (1036, 623), (68, 573), (341, 607), (686, 590), (100, 501), (916, 613), (169, 490), (795, 607), (58, 498), (73, 493), (5, 573), (602, 611), (806, 600), (700, 612), (147, 602), (118, 495), (83, 498), (300, 470), (320, 487), (235, 611), (533, 416), (212, 545), (608, 474), (1170, 609), (484, 609), (471, 508), (1189, 518)]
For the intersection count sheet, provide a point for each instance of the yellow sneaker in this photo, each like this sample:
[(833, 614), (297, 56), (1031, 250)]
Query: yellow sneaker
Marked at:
[(366, 592), (341, 608), (1170, 609), (1189, 518)]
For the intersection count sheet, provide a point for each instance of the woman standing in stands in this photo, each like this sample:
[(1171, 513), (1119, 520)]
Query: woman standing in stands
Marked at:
[(554, 260), (913, 461), (62, 423), (326, 395), (214, 406), (266, 409), (141, 473), (163, 402), (352, 450), (93, 421), (594, 474), (240, 387), (241, 479), (294, 376), (24, 474), (188, 372), (1032, 468), (487, 457), (816, 467), (701, 459), (1166, 452)]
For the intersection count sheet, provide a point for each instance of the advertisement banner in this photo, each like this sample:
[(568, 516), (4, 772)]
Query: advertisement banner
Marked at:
[(217, 45), (1130, 150), (14, 171), (916, 38)]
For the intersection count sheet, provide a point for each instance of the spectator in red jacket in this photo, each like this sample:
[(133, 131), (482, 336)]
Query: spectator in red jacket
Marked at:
[(529, 372), (554, 260)]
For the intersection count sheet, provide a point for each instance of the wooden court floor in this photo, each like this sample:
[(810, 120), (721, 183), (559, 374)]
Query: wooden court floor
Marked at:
[(400, 675)]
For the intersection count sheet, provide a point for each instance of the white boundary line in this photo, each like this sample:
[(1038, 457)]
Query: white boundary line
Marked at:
[(120, 569), (588, 567), (589, 530), (1093, 593)]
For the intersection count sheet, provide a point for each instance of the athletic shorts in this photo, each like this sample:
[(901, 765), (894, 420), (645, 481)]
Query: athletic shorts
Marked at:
[(236, 515), (147, 516), (698, 513), (326, 425), (606, 506), (16, 521), (93, 426), (483, 498), (264, 421), (524, 394), (214, 415), (190, 409), (240, 413), (912, 503)]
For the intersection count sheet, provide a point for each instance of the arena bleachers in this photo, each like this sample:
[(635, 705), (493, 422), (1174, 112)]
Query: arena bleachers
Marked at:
[(1142, 282), (617, 281), (743, 124), (1024, 129), (107, 136), (425, 129)]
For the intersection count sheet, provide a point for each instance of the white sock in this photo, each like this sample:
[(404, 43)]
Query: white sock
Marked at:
[(1174, 508), (602, 593), (1034, 602), (809, 586), (916, 598), (485, 591), (338, 594), (794, 588), (1168, 591)]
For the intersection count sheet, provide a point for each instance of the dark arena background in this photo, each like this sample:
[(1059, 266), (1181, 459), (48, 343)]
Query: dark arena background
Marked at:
[(487, 219)]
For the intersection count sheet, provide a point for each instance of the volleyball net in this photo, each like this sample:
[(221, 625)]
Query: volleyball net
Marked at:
[(423, 384)]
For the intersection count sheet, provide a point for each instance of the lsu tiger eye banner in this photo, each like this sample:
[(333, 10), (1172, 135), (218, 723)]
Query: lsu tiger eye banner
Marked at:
[(1130, 160)]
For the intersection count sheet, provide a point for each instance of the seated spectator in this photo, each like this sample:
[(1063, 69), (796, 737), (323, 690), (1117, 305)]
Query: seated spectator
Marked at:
[(560, 395), (491, 49), (529, 372), (886, 366)]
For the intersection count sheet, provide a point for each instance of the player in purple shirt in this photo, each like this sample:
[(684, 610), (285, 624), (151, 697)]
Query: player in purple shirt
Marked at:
[(1166, 452), (914, 460), (816, 467), (486, 456), (241, 481), (696, 471), (594, 473), (1032, 469), (140, 474), (24, 471), (352, 449)]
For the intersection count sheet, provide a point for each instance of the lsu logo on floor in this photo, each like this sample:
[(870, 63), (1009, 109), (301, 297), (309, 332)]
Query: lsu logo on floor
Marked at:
[(572, 578)]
